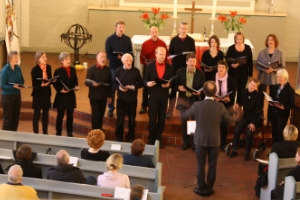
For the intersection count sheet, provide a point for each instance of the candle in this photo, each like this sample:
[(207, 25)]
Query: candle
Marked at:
[(272, 2), (214, 7), (175, 9)]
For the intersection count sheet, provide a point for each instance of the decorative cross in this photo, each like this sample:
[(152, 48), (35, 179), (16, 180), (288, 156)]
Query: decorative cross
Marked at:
[(193, 9)]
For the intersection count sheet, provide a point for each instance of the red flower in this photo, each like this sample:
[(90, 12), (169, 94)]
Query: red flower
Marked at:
[(233, 13), (222, 18), (164, 16), (145, 16), (155, 10), (242, 20)]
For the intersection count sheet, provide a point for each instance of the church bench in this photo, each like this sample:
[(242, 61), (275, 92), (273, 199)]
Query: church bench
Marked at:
[(278, 169), (150, 178), (41, 143), (291, 188), (49, 189)]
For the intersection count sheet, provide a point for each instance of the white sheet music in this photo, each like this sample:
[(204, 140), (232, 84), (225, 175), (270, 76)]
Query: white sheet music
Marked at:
[(124, 193), (116, 147), (73, 161), (191, 127)]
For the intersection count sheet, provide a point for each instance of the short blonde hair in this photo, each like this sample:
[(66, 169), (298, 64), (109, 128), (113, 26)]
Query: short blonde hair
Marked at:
[(290, 133), (239, 33), (95, 138), (62, 157), (284, 73), (115, 161)]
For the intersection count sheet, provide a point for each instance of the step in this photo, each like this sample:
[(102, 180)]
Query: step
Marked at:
[(24, 104), (25, 113)]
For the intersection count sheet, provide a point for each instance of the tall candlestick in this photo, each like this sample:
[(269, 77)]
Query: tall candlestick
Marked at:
[(175, 9), (214, 7)]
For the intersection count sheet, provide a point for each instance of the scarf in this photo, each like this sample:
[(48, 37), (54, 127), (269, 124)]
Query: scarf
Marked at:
[(68, 70), (44, 69), (224, 84)]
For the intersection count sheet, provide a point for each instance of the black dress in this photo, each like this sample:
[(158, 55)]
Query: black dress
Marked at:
[(208, 60)]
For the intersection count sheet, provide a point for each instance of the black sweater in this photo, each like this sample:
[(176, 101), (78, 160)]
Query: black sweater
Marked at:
[(128, 77), (99, 75), (177, 47), (99, 156), (151, 74), (211, 61)]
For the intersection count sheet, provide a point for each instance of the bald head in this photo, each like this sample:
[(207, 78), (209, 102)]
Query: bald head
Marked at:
[(209, 88), (15, 174), (62, 157), (154, 33)]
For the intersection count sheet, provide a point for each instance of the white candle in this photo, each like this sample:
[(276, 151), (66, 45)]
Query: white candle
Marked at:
[(272, 2), (214, 7), (175, 9)]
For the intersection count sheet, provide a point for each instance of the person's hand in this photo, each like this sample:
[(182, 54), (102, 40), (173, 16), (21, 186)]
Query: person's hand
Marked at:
[(151, 83), (64, 91), (282, 182), (119, 56), (226, 99), (269, 70), (76, 88), (166, 85), (181, 88), (96, 84), (108, 100), (54, 80), (279, 105), (208, 69), (169, 58), (251, 127), (196, 93), (130, 87), (271, 104), (123, 89), (217, 99), (236, 107), (16, 86), (235, 65), (45, 84)]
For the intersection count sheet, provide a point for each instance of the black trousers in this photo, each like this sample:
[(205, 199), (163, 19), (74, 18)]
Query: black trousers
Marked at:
[(98, 109), (156, 112), (59, 121), (185, 137), (36, 118), (111, 106), (11, 105), (201, 153), (238, 129), (126, 108), (145, 92), (174, 90), (278, 125), (223, 132)]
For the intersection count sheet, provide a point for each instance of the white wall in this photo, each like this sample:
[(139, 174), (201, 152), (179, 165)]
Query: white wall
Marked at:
[(43, 21)]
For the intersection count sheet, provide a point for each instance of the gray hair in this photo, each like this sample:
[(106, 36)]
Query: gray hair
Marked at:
[(15, 174), (37, 56), (284, 73), (62, 157), (126, 55), (11, 54), (63, 55), (114, 161)]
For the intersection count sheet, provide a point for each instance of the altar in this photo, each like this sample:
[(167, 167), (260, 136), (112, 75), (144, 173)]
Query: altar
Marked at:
[(138, 40)]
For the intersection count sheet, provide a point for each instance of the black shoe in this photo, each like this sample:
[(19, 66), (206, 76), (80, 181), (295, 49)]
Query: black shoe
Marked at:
[(58, 133), (70, 134), (233, 154), (110, 113), (199, 192), (209, 192), (169, 115), (247, 157), (184, 146), (143, 110)]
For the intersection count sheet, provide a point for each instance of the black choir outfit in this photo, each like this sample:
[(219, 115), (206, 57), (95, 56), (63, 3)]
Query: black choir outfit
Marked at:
[(65, 101), (127, 101), (211, 61), (242, 72), (279, 117), (177, 47), (41, 98), (184, 102), (98, 95), (158, 101)]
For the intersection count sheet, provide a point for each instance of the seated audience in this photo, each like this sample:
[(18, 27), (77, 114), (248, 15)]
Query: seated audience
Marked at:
[(66, 172), (113, 178), (14, 189), (95, 140), (136, 157), (137, 192), (24, 158), (277, 193)]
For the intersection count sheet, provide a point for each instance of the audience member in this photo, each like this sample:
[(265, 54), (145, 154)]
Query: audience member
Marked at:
[(113, 178), (137, 192), (136, 158), (95, 140), (24, 159), (14, 189)]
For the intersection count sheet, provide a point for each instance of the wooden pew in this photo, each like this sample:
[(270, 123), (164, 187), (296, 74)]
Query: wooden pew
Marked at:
[(150, 178), (48, 189), (41, 143), (291, 188), (278, 168)]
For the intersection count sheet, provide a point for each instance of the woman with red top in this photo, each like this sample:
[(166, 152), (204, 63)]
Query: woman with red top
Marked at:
[(41, 92), (65, 99)]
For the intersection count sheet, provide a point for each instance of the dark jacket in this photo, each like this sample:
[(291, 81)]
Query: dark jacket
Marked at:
[(198, 82), (99, 156), (285, 97), (140, 161), (151, 74), (41, 95), (66, 173), (285, 149), (65, 101), (29, 169)]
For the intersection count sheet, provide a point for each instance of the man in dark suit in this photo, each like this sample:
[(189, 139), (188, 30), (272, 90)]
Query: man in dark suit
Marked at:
[(158, 94), (208, 115), (192, 78)]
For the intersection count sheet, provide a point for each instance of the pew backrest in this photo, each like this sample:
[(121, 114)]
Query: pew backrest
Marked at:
[(291, 188), (49, 189), (41, 143)]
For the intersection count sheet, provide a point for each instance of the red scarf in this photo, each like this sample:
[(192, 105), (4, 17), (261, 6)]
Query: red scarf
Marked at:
[(44, 69), (68, 70)]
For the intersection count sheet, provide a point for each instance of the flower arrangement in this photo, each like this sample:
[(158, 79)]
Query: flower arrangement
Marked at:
[(230, 23), (154, 19)]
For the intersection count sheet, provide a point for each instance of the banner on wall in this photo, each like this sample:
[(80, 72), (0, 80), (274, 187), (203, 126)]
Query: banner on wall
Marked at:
[(12, 37)]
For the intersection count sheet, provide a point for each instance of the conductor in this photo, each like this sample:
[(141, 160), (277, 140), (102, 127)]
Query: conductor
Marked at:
[(208, 115)]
